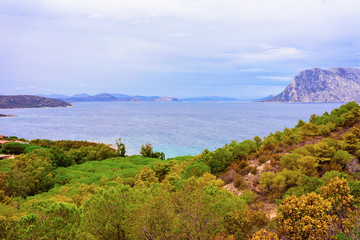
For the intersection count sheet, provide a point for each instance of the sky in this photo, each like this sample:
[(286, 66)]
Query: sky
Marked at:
[(178, 48)]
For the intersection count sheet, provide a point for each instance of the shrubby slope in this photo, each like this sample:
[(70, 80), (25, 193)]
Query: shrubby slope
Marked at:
[(299, 183)]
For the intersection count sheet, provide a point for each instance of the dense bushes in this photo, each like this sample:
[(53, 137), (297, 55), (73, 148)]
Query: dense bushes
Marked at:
[(195, 210), (328, 214), (310, 171), (31, 173)]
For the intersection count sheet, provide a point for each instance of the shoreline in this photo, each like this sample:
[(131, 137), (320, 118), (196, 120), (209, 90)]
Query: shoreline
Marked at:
[(10, 115), (35, 107)]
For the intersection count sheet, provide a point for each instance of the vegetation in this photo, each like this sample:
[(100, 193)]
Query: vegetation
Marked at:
[(299, 183), (147, 151)]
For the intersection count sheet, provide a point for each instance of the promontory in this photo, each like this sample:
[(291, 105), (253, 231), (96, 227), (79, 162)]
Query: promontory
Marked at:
[(336, 84), (30, 101)]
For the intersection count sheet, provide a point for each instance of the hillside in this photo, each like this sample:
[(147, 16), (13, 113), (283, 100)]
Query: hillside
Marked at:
[(320, 85), (299, 183), (29, 101)]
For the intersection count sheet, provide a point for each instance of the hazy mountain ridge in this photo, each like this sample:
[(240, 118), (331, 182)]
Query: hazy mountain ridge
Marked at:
[(30, 101), (210, 98), (111, 97), (117, 97), (319, 85)]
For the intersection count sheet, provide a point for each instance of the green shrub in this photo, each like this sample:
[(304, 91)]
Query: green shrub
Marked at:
[(29, 148), (14, 148), (196, 169)]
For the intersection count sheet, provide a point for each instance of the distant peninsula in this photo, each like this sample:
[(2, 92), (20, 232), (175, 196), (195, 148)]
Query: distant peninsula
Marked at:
[(118, 97), (320, 85), (30, 101), (110, 97), (4, 115)]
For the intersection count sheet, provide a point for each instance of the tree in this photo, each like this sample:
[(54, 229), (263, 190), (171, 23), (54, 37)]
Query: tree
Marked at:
[(14, 147), (201, 205), (49, 220), (196, 169), (243, 224), (120, 147), (146, 177), (31, 173), (146, 150), (109, 214)]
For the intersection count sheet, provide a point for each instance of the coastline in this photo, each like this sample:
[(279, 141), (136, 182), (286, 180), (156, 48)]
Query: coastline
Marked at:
[(35, 107), (10, 115)]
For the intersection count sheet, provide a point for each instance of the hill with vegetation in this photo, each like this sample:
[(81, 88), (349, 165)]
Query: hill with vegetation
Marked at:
[(30, 101), (319, 85), (299, 183)]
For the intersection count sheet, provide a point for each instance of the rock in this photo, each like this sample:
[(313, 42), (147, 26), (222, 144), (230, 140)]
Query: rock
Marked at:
[(318, 85)]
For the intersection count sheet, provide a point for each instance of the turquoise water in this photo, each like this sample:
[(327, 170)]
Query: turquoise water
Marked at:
[(176, 128)]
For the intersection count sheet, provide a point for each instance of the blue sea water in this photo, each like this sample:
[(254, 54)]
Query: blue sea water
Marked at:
[(175, 128)]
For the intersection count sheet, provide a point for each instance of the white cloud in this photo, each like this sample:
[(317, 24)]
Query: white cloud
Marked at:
[(95, 15), (66, 39), (26, 88), (270, 53)]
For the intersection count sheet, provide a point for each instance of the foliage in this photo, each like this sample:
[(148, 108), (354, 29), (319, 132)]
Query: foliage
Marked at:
[(343, 212), (304, 217), (264, 235), (319, 216), (242, 224), (120, 147), (83, 190), (109, 214), (147, 151), (31, 173), (14, 148), (196, 169), (146, 177), (49, 220)]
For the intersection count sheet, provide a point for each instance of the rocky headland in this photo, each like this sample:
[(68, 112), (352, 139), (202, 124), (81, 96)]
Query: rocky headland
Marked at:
[(320, 85)]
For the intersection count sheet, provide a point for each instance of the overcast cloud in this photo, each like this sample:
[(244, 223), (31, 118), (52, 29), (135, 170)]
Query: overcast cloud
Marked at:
[(181, 48)]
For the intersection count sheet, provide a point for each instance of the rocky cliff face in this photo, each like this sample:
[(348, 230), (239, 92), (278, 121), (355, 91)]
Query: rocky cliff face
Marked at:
[(319, 85), (29, 101)]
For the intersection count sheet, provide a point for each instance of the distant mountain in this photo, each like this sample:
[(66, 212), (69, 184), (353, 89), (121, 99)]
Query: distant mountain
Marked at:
[(319, 85), (30, 101), (80, 95), (210, 98), (265, 98), (111, 97), (119, 95), (104, 97)]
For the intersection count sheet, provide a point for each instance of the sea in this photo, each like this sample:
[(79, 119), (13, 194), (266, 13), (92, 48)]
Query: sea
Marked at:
[(175, 128)]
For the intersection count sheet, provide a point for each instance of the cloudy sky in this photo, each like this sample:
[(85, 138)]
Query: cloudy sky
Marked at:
[(180, 48)]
